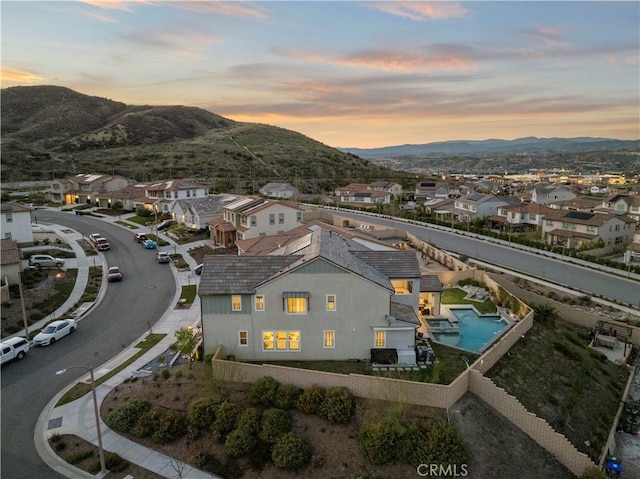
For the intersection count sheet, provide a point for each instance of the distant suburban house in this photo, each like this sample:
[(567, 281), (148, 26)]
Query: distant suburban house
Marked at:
[(321, 297), (441, 208), (84, 188), (545, 193), (632, 254), (129, 197), (622, 204), (165, 193), (478, 205), (278, 190), (386, 186), (579, 203), (10, 264), (15, 223), (576, 229), (252, 217), (195, 213), (520, 217), (426, 190)]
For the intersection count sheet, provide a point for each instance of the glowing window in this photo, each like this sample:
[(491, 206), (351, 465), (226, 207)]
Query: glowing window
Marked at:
[(331, 302), (329, 339), (381, 339), (296, 305), (281, 340), (268, 340), (243, 339), (236, 302), (259, 303)]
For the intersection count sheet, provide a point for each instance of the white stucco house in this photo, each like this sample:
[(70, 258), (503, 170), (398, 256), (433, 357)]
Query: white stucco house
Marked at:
[(545, 193), (165, 193), (195, 213), (278, 190), (15, 223), (321, 297)]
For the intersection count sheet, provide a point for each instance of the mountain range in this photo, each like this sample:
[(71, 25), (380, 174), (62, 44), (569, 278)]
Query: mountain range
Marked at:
[(521, 146)]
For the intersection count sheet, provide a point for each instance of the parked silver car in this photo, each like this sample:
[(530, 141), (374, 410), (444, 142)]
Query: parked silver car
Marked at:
[(45, 261)]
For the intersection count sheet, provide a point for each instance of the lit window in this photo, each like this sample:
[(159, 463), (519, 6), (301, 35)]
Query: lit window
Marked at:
[(243, 339), (329, 339), (236, 302), (381, 339), (331, 302), (296, 305), (281, 340), (268, 340), (259, 303), (401, 286)]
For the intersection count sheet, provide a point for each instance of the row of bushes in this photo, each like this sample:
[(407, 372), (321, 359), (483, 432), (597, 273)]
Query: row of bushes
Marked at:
[(140, 419), (336, 404)]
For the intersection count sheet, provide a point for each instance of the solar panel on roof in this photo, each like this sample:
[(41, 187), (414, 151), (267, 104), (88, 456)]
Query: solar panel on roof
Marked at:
[(579, 215)]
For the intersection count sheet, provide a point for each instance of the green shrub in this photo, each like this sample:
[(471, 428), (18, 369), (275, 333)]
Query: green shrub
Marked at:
[(163, 425), (275, 423), (445, 444), (79, 456), (226, 417), (124, 417), (379, 438), (202, 412), (413, 444), (339, 406), (566, 350), (287, 396), (115, 463), (291, 452), (165, 373), (263, 391), (240, 442), (178, 374), (311, 400), (250, 419)]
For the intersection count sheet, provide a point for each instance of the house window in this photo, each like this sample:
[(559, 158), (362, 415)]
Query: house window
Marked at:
[(549, 222), (591, 229), (281, 340), (381, 339), (9, 217), (402, 286), (236, 302), (7, 235), (259, 303), (299, 216), (254, 220), (331, 302), (243, 339), (296, 302), (272, 219), (281, 218), (329, 339), (619, 239)]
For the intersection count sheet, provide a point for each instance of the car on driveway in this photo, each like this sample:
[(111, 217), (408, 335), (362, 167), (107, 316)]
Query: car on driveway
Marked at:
[(163, 257), (114, 274), (45, 261), (165, 224), (140, 237), (198, 269), (149, 244), (54, 331)]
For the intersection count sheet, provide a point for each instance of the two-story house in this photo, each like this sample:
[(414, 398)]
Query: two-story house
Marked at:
[(623, 204), (283, 191), (430, 189), (15, 223), (195, 213), (165, 193), (252, 217), (321, 297), (579, 203), (367, 195), (477, 205), (84, 188), (575, 229), (526, 216), (394, 189), (544, 193)]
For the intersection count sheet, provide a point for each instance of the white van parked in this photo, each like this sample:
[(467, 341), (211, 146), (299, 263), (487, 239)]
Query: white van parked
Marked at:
[(13, 348)]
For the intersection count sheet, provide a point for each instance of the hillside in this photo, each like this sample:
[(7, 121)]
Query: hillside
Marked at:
[(50, 131)]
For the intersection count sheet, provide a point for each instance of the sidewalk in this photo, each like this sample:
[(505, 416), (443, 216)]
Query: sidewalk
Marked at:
[(78, 417)]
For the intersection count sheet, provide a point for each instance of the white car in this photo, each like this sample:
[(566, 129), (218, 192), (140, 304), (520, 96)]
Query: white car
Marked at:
[(54, 331), (45, 261), (13, 348)]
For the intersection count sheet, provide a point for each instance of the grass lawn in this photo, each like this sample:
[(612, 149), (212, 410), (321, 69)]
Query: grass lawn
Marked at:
[(555, 375), (340, 367), (456, 296), (126, 224), (141, 220), (188, 293), (158, 240)]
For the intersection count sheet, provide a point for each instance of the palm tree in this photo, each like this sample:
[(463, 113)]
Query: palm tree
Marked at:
[(545, 314)]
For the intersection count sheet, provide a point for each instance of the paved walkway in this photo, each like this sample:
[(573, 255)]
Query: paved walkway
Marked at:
[(78, 417)]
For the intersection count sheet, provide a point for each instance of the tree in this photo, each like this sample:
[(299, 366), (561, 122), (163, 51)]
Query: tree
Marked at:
[(186, 342)]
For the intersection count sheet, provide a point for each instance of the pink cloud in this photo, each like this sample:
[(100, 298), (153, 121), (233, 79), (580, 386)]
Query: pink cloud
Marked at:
[(420, 10)]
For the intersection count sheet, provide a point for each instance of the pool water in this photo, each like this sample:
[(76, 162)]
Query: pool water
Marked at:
[(439, 323), (475, 332)]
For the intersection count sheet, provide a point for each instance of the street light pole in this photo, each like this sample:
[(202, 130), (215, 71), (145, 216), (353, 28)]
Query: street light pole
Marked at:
[(103, 467)]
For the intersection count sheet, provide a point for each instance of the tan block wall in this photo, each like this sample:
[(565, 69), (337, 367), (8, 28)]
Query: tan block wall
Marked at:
[(536, 428)]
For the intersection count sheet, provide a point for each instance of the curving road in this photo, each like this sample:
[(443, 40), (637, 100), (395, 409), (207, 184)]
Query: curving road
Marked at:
[(578, 277), (124, 314)]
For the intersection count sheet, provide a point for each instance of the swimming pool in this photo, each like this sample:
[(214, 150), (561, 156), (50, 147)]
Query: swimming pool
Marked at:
[(439, 323), (475, 332)]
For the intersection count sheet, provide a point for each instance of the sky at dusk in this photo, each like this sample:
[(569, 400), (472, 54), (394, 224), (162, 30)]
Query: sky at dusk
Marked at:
[(348, 74)]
